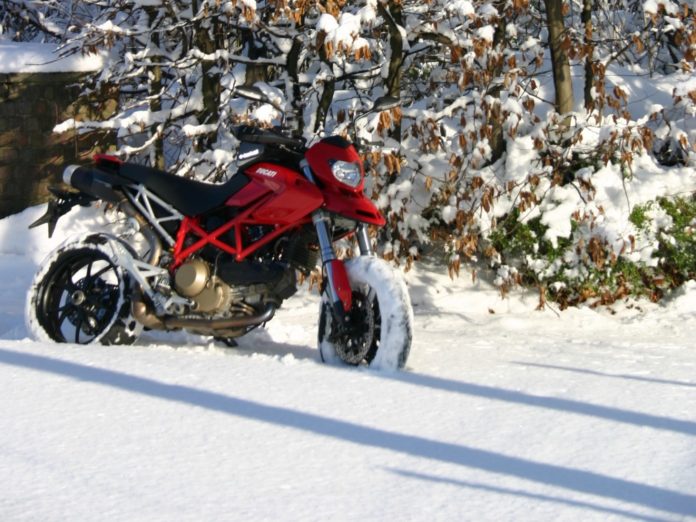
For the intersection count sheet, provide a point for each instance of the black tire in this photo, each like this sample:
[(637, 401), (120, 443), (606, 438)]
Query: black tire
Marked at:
[(81, 296), (380, 323)]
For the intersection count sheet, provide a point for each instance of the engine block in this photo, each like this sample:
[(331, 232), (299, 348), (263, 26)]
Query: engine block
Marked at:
[(209, 293)]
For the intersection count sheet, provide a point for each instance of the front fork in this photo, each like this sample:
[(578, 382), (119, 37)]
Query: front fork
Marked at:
[(364, 240), (338, 285)]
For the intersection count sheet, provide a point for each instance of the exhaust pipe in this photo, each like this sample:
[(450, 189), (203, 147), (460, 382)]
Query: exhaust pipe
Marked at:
[(223, 324), (148, 319), (93, 182)]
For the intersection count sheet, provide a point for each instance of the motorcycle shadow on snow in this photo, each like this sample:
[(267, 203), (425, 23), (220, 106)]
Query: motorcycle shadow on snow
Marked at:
[(571, 479), (258, 342)]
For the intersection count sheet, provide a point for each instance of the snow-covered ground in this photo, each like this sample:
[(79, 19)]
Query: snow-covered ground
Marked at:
[(504, 413)]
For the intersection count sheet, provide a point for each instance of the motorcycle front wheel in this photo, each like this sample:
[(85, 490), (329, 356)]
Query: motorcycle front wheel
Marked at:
[(81, 296), (379, 326)]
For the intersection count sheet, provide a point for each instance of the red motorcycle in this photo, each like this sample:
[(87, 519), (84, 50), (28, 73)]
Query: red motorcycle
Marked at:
[(220, 259)]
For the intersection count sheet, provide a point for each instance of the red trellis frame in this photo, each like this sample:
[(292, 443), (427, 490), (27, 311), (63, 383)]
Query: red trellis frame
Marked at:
[(191, 225)]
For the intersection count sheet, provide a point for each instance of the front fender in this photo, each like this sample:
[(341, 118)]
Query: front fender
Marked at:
[(354, 206)]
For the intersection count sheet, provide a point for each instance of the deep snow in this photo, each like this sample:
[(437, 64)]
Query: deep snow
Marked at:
[(504, 413)]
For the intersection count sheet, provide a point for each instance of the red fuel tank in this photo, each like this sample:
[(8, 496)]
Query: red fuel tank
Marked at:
[(288, 195)]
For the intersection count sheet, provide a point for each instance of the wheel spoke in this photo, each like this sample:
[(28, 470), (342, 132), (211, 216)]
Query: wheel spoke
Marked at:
[(69, 285), (78, 299), (102, 271), (78, 327), (63, 313)]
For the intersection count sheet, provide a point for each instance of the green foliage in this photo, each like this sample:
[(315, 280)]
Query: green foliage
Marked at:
[(518, 242), (513, 239), (639, 216), (677, 251), (605, 285), (577, 271)]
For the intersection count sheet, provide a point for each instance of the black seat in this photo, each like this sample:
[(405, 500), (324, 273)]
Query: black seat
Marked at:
[(190, 197)]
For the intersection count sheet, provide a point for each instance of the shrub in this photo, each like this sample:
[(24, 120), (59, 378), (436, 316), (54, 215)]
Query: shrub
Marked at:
[(576, 270), (677, 244)]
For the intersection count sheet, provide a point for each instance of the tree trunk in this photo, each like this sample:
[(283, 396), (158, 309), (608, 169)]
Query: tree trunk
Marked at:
[(155, 92), (293, 67), (327, 93), (255, 72), (497, 140), (394, 19), (586, 19), (210, 85), (559, 57)]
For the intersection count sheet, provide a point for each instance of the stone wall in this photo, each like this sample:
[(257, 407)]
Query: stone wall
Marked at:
[(31, 156)]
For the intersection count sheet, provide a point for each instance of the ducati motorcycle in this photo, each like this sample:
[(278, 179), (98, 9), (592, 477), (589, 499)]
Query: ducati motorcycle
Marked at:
[(220, 259)]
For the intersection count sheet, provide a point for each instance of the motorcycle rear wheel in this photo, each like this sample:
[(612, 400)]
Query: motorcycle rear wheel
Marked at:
[(81, 296), (379, 326)]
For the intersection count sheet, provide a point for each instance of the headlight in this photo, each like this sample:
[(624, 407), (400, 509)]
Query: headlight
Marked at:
[(347, 173)]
